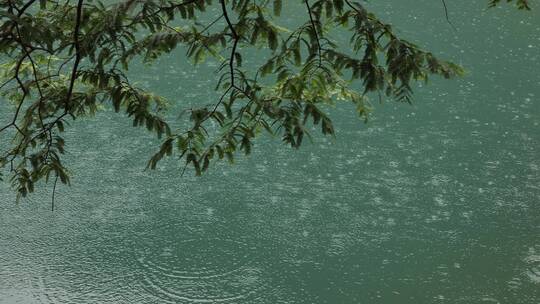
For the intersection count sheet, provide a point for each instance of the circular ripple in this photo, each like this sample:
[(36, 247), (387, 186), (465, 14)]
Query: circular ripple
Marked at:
[(196, 258), (533, 268), (202, 271)]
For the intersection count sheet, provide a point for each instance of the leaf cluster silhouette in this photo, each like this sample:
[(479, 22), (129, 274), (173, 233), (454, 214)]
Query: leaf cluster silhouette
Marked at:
[(64, 60)]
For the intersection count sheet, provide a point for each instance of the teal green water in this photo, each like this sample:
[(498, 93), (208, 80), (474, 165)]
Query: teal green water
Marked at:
[(438, 202)]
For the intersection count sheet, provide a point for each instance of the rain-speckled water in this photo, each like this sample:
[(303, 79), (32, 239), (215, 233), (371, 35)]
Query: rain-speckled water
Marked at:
[(438, 202)]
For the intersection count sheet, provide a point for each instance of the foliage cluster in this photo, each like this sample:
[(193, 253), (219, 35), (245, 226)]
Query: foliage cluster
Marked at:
[(63, 60)]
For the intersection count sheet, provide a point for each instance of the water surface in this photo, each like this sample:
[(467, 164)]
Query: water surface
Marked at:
[(438, 202)]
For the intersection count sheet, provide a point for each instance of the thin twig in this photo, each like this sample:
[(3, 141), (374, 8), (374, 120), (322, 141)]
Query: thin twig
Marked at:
[(446, 14), (317, 37), (235, 37), (53, 192)]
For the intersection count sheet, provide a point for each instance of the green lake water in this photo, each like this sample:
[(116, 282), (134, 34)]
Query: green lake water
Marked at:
[(438, 202)]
